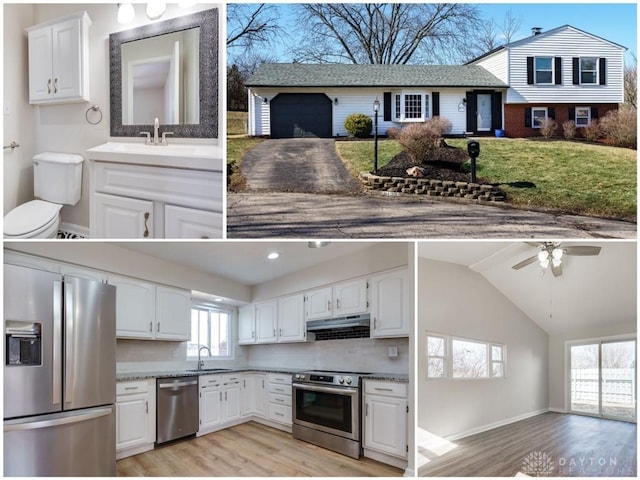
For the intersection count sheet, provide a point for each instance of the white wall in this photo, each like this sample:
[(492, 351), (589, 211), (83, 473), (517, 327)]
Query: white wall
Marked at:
[(19, 124), (558, 361), (62, 128), (457, 301)]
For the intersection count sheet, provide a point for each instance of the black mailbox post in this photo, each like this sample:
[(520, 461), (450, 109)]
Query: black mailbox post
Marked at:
[(473, 149)]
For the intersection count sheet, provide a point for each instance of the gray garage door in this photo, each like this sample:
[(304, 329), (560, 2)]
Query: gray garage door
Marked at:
[(301, 115)]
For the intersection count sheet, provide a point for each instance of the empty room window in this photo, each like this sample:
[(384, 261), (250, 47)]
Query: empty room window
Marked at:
[(469, 359), (436, 358), (210, 327), (497, 361), (544, 70), (464, 358)]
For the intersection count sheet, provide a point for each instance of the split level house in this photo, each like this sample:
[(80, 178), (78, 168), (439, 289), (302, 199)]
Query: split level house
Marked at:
[(564, 74)]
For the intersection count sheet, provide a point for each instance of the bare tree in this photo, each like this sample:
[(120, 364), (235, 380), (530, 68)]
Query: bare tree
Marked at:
[(510, 26), (390, 33), (631, 83), (251, 24), (491, 34)]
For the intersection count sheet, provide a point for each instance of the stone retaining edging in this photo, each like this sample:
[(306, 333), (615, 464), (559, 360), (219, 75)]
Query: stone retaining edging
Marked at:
[(433, 188)]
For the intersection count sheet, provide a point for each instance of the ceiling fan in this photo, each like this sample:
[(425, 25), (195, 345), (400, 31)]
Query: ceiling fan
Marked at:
[(552, 253)]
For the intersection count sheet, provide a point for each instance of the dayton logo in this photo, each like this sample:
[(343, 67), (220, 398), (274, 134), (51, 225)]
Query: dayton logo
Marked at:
[(538, 464)]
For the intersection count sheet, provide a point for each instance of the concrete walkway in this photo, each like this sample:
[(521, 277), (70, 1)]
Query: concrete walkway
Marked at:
[(307, 165), (299, 215)]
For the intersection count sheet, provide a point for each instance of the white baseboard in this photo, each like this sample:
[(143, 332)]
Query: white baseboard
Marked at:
[(409, 472), (384, 458), (491, 426), (558, 410), (74, 229)]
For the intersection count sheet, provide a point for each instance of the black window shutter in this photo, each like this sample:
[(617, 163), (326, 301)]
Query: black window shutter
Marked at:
[(435, 104), (558, 69), (530, 71), (551, 113), (572, 113), (496, 110), (594, 113), (527, 117), (386, 102), (576, 71), (472, 106), (603, 71)]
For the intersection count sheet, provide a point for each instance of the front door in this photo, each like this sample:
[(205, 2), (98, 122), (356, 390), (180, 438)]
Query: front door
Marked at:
[(483, 112)]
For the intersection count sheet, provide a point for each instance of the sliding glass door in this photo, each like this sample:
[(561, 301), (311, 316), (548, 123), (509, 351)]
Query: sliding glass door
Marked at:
[(602, 376)]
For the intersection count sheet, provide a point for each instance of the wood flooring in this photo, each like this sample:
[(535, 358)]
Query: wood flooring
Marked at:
[(554, 444), (249, 450)]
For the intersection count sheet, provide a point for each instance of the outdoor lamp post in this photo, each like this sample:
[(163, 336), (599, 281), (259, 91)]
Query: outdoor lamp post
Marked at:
[(376, 107)]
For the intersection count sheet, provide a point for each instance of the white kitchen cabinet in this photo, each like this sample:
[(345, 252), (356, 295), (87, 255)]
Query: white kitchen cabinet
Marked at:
[(135, 417), (86, 273), (247, 324), (142, 201), (279, 405), (253, 396), (390, 304), (59, 60), (231, 389), (318, 304), (121, 217), (29, 261), (291, 323), (210, 401), (385, 418), (266, 321), (173, 314), (135, 308), (346, 298)]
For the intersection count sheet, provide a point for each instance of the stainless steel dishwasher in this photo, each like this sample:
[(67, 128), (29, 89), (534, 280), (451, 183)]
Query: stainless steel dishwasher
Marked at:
[(177, 408)]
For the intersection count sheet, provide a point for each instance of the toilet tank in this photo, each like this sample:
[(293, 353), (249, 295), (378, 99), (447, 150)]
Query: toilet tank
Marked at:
[(58, 177)]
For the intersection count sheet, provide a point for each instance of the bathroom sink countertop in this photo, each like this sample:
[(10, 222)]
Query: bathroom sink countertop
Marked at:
[(177, 155)]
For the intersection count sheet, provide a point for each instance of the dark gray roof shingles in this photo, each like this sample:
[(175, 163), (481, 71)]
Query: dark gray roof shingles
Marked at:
[(348, 75)]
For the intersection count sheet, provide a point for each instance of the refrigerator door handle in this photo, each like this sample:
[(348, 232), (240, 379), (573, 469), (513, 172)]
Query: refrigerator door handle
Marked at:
[(57, 342), (30, 424), (69, 341)]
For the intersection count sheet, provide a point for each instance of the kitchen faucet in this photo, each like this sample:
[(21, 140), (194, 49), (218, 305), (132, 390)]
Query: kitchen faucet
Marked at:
[(200, 362)]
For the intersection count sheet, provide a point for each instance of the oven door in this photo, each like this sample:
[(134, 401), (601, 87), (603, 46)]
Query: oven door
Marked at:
[(328, 409)]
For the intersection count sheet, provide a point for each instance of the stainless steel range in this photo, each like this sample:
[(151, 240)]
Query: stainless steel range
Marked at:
[(326, 410)]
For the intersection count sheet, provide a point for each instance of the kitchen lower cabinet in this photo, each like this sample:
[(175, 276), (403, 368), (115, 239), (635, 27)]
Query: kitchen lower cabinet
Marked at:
[(390, 304), (279, 406), (231, 390), (135, 417), (254, 398), (385, 422), (210, 401)]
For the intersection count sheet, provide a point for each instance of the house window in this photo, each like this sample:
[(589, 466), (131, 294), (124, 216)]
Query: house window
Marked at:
[(411, 107), (210, 327), (583, 116), (589, 70), (463, 358), (538, 115), (544, 70)]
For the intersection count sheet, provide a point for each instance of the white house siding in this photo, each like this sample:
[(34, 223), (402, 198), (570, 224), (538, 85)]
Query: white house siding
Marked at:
[(565, 43), (453, 109), (259, 114), (498, 64)]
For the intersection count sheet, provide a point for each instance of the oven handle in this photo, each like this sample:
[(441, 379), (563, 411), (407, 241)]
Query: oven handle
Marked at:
[(316, 388)]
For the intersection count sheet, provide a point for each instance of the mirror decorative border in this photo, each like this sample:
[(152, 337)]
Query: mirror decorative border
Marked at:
[(207, 20)]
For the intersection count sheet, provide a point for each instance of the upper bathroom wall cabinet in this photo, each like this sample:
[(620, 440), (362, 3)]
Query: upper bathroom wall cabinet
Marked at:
[(59, 60)]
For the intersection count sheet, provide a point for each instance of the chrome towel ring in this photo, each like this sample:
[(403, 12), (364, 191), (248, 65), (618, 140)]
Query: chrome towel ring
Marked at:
[(95, 108)]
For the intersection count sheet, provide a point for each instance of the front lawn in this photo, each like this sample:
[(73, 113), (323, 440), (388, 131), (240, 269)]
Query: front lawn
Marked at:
[(238, 146), (573, 177)]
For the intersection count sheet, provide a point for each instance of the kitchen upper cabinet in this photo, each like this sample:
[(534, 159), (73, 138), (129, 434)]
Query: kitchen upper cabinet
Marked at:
[(247, 324), (385, 418), (291, 322), (135, 417), (59, 60), (266, 321), (135, 308), (390, 305), (173, 314), (85, 273), (347, 298)]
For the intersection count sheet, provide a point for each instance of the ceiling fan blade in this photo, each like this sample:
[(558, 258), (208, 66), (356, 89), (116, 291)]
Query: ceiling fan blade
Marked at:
[(524, 263), (557, 271), (582, 250)]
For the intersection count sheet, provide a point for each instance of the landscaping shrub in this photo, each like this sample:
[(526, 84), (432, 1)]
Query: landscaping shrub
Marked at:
[(548, 127), (592, 132), (569, 129), (358, 125), (420, 139), (620, 126)]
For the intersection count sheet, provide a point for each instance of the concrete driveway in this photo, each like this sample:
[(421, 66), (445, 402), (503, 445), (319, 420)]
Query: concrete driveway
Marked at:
[(307, 165), (298, 215)]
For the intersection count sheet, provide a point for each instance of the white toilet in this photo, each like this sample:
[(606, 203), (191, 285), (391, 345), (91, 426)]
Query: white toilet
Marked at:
[(57, 182)]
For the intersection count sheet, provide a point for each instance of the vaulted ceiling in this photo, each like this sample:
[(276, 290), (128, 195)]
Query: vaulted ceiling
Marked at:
[(592, 291)]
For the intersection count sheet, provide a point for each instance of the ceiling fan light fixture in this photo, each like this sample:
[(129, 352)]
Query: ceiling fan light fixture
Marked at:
[(556, 262), (557, 253)]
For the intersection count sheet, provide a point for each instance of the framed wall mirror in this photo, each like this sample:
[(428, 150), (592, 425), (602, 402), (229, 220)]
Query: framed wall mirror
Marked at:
[(166, 70)]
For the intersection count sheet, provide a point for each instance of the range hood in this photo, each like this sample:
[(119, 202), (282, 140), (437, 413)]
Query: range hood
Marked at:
[(339, 322)]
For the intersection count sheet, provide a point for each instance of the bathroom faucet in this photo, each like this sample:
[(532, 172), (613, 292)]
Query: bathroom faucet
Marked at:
[(156, 140), (156, 126), (200, 362)]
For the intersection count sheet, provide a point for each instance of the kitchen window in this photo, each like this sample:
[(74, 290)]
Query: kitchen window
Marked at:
[(210, 327), (589, 70), (538, 115), (583, 116), (463, 358), (411, 107), (544, 70)]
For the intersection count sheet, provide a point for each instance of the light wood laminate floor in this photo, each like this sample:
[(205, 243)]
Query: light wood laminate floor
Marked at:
[(575, 446), (249, 450)]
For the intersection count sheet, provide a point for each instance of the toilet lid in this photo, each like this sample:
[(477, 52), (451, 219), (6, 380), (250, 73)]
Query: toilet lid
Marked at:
[(29, 217)]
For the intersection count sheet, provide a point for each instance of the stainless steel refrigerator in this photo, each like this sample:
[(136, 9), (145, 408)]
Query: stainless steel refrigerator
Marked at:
[(59, 375)]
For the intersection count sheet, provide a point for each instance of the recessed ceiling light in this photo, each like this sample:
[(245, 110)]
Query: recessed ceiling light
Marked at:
[(317, 244), (217, 300), (273, 255)]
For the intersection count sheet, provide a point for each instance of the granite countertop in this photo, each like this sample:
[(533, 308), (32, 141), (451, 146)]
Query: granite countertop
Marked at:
[(128, 376)]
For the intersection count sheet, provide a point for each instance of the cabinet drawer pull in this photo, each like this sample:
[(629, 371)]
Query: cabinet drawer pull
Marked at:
[(130, 388), (279, 399), (220, 396), (49, 86), (329, 305), (338, 304), (146, 406), (279, 414), (158, 327), (225, 396), (151, 326), (383, 389), (274, 332), (366, 409), (146, 227), (279, 389), (55, 85)]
